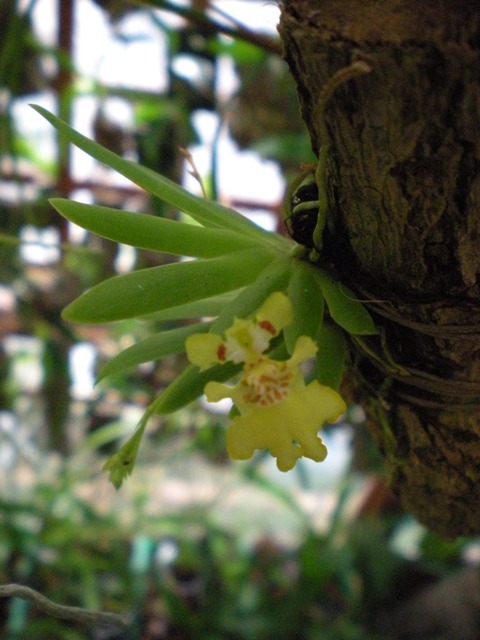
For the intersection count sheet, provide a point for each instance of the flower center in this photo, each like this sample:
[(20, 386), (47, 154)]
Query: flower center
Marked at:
[(267, 382)]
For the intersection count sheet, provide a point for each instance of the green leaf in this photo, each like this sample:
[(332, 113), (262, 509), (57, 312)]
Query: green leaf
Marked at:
[(206, 307), (273, 278), (148, 290), (307, 302), (332, 351), (207, 213), (151, 232), (348, 312), (152, 348), (190, 384)]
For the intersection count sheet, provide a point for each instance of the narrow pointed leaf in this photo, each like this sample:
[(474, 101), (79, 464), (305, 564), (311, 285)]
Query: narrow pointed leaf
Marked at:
[(307, 302), (348, 312), (189, 386), (149, 290), (151, 232), (332, 351), (204, 308), (206, 212), (274, 277), (152, 348)]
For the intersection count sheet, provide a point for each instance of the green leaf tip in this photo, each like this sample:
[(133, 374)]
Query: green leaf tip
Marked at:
[(348, 312)]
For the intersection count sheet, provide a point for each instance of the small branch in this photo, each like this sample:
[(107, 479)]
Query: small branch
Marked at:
[(268, 44), (193, 171), (76, 614)]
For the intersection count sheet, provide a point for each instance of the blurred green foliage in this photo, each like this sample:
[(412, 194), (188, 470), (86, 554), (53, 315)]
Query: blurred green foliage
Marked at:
[(183, 574)]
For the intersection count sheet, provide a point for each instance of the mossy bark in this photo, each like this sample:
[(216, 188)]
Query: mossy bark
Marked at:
[(404, 189)]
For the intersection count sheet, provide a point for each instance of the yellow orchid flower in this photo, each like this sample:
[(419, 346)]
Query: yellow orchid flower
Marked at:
[(278, 411), (245, 340)]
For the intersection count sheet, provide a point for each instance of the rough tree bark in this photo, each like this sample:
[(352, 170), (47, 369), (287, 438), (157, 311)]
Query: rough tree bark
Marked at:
[(404, 188)]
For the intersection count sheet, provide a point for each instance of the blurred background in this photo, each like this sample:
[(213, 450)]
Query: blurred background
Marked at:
[(192, 546)]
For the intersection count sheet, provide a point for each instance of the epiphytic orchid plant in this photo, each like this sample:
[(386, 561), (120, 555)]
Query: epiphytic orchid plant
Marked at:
[(267, 305)]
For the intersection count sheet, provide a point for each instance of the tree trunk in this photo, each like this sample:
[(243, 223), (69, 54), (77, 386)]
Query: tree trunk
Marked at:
[(404, 189)]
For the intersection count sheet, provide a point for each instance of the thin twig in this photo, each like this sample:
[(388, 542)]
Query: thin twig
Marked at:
[(77, 614), (193, 171), (268, 44)]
